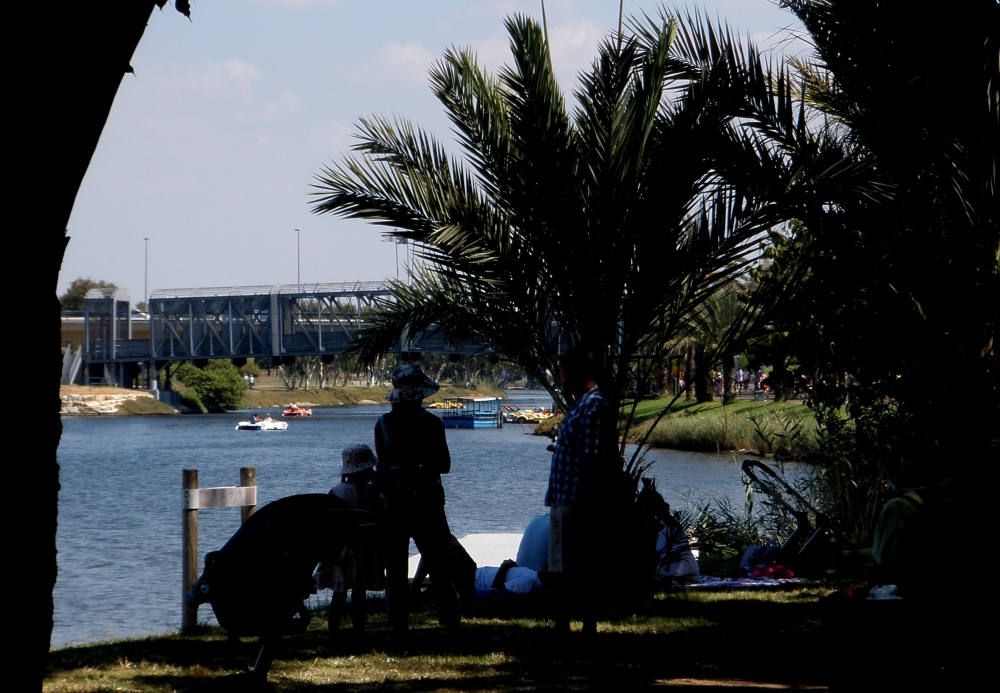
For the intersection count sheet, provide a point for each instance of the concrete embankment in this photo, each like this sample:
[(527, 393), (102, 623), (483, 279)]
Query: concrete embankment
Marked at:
[(109, 402)]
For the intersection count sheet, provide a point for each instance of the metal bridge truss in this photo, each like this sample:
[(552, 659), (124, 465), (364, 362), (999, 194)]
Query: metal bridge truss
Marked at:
[(279, 321)]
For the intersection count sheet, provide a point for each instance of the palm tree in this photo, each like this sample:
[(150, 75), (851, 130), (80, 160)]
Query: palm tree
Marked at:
[(716, 340), (893, 286), (603, 227)]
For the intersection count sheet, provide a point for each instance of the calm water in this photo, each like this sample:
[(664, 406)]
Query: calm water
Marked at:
[(120, 517)]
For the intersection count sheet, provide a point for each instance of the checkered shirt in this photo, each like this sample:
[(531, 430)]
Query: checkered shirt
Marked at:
[(584, 438)]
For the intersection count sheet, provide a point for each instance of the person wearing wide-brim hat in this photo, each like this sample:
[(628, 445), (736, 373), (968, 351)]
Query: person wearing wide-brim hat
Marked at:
[(361, 566), (413, 454)]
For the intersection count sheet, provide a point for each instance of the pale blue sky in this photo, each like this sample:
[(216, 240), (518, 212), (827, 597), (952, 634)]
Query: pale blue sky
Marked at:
[(211, 147)]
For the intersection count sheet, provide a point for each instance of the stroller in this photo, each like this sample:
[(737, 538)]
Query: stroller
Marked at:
[(258, 582), (802, 549)]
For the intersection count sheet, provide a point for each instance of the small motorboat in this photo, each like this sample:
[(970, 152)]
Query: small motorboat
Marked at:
[(296, 410), (257, 424)]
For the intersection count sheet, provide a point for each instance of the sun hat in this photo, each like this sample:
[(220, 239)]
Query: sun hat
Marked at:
[(409, 384), (918, 474), (921, 464), (357, 458), (578, 361)]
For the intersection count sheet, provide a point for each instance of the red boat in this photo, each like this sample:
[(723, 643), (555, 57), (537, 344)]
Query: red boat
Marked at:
[(296, 410)]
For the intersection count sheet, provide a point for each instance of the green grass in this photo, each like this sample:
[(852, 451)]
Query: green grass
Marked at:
[(337, 395), (506, 645), (145, 405), (782, 427)]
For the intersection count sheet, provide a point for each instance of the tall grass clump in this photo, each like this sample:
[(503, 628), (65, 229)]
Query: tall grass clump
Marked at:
[(787, 432)]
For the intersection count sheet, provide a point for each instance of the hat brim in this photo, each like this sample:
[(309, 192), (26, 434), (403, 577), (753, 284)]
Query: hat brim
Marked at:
[(413, 394), (915, 477), (356, 467)]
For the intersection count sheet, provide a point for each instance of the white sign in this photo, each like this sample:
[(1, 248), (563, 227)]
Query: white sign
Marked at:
[(219, 497)]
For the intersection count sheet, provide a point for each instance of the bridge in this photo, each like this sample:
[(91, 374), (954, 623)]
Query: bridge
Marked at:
[(283, 322)]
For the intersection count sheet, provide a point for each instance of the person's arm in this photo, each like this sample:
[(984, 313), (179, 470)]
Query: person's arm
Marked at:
[(438, 453), (379, 443), (500, 580)]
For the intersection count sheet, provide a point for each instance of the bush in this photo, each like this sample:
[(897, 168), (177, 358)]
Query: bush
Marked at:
[(218, 385), (250, 368), (190, 401)]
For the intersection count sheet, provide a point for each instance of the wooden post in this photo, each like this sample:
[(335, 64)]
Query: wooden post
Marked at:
[(248, 477), (189, 561)]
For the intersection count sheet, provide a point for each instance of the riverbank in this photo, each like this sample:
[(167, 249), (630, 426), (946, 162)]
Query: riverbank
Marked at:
[(85, 400), (82, 400), (763, 428), (686, 641), (262, 398)]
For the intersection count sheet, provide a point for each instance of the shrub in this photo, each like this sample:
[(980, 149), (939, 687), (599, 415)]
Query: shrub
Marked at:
[(190, 401), (218, 385)]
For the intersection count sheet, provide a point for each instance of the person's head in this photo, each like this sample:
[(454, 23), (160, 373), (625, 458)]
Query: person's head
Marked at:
[(577, 370), (410, 385), (357, 462), (922, 464)]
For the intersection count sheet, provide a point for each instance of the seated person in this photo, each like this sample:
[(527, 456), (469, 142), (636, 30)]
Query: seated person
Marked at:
[(508, 577), (361, 567)]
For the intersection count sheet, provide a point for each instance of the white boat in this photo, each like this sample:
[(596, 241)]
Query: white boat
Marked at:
[(262, 425)]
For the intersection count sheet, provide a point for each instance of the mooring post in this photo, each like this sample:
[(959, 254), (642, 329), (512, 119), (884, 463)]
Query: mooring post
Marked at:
[(248, 477), (189, 562)]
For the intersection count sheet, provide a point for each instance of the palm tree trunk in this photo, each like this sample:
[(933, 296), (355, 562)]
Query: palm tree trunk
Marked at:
[(779, 373), (704, 387), (728, 378), (689, 374)]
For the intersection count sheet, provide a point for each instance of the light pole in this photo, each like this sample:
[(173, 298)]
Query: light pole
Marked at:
[(298, 257), (145, 275)]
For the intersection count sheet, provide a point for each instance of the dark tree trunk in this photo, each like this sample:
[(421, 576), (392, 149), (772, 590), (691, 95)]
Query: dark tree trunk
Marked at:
[(71, 62), (728, 378), (689, 375), (704, 387), (779, 374)]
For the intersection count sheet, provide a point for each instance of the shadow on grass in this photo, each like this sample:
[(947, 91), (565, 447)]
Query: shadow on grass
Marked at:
[(505, 645)]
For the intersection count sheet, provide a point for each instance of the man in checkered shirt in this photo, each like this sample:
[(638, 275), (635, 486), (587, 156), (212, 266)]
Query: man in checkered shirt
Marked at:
[(586, 445)]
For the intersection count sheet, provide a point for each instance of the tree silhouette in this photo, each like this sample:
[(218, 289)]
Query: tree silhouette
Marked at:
[(608, 224), (70, 62)]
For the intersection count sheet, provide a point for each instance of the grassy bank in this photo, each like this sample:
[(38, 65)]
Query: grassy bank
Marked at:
[(145, 406), (763, 427), (261, 398), (682, 640), (784, 428), (137, 406), (93, 390)]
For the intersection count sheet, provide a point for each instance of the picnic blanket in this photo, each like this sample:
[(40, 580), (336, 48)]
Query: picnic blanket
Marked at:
[(707, 582)]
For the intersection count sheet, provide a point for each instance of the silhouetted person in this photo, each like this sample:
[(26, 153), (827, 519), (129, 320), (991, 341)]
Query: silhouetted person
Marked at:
[(412, 455), (586, 446)]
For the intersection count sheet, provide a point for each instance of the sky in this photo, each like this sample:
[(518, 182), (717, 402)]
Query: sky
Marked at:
[(211, 147)]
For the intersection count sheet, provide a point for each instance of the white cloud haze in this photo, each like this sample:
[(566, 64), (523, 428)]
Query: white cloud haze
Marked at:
[(210, 150)]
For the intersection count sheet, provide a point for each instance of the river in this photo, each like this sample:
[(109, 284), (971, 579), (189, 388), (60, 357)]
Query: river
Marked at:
[(120, 517)]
